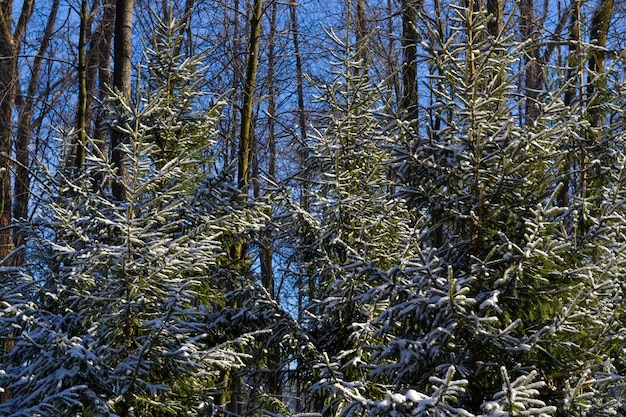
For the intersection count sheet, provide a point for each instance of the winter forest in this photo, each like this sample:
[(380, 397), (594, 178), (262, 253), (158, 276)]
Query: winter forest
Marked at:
[(312, 208)]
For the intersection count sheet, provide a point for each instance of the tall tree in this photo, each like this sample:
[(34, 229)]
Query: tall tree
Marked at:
[(122, 70), (11, 36), (530, 29), (361, 32), (353, 231), (100, 68), (410, 40), (247, 122), (134, 330), (598, 34), (10, 43), (300, 144), (81, 111), (487, 161), (27, 125), (238, 251)]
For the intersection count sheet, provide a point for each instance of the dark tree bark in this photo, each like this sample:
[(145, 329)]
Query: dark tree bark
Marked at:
[(9, 48), (10, 40), (231, 384), (302, 125), (410, 39), (266, 252), (361, 34), (599, 33), (81, 112), (122, 66), (394, 79), (252, 66), (575, 68), (534, 78), (103, 48), (25, 129), (495, 8), (230, 145)]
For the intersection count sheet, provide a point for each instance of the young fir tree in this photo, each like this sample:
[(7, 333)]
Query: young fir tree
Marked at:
[(129, 318), (507, 290), (355, 231)]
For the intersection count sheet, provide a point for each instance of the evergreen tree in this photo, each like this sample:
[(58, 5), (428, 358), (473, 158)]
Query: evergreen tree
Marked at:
[(525, 294), (129, 320), (355, 232)]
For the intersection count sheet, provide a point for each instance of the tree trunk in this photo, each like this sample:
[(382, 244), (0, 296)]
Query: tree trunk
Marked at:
[(496, 9), (574, 71), (230, 144), (266, 252), (238, 251), (8, 80), (410, 39), (599, 32), (533, 74), (9, 47), (81, 112), (392, 74), (245, 136), (299, 145), (361, 34), (293, 10), (122, 66), (103, 45), (25, 128)]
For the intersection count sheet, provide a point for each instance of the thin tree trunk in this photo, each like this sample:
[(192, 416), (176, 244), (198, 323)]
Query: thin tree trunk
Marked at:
[(361, 34), (81, 113), (595, 96), (8, 80), (229, 155), (496, 9), (230, 148), (266, 252), (104, 48), (9, 48), (122, 66), (238, 251), (293, 9), (302, 125), (534, 78), (393, 73), (599, 32), (302, 119), (437, 223), (410, 39), (267, 273), (245, 136), (25, 129), (575, 67)]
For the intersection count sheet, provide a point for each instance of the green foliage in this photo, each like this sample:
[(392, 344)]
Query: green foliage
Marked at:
[(356, 230), (469, 263), (129, 318)]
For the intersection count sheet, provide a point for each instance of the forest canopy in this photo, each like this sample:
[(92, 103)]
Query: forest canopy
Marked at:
[(347, 208)]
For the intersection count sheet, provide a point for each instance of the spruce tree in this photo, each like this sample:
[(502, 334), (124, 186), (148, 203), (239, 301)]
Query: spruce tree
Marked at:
[(510, 286), (355, 232), (129, 318)]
